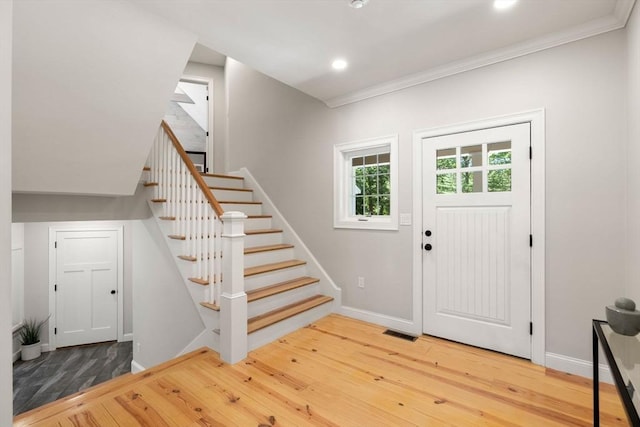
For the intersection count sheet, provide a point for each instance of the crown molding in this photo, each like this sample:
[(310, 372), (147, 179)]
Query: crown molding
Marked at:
[(612, 22)]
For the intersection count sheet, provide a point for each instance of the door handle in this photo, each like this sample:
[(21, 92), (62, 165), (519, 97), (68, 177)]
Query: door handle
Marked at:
[(113, 292), (428, 247)]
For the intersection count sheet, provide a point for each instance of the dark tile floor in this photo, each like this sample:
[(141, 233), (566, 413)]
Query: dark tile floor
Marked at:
[(65, 371)]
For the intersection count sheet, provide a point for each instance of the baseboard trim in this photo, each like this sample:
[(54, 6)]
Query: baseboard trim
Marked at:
[(127, 337), (136, 367), (396, 323), (583, 368), (16, 356)]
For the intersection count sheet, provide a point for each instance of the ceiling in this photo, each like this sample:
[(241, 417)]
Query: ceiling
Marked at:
[(389, 44)]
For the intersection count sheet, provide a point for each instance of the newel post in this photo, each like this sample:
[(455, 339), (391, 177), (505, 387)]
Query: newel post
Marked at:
[(233, 299)]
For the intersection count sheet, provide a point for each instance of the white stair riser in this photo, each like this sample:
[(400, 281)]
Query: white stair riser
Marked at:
[(246, 209), (210, 317), (266, 279), (223, 182), (233, 196), (257, 223), (262, 239), (273, 302), (199, 293), (277, 330), (268, 257)]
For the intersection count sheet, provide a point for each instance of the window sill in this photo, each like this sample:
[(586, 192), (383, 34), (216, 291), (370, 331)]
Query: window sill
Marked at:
[(368, 224)]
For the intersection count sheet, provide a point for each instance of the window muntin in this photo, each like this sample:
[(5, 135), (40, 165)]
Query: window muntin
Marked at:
[(371, 184), (365, 181)]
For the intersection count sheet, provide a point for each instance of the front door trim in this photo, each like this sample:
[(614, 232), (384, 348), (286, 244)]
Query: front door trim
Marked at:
[(537, 120), (53, 231)]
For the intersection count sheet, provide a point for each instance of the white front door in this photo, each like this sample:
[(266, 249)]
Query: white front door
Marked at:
[(86, 287), (476, 257)]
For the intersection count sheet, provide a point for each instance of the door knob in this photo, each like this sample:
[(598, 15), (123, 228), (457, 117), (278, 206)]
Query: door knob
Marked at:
[(113, 292), (427, 233), (428, 247)]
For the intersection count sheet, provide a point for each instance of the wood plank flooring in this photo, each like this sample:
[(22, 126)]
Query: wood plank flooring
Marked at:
[(339, 372)]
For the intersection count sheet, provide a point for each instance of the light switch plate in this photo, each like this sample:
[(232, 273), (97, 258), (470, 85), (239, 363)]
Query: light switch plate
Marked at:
[(405, 219)]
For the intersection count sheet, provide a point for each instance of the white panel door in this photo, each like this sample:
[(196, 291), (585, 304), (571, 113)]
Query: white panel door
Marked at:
[(87, 284), (476, 257)]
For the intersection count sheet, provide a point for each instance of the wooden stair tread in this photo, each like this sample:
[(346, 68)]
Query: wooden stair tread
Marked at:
[(150, 184), (177, 237), (199, 281), (279, 288), (259, 216), (167, 218), (266, 248), (246, 190), (262, 231), (146, 168), (187, 258), (158, 200), (210, 306), (267, 319), (265, 268), (217, 175), (233, 202)]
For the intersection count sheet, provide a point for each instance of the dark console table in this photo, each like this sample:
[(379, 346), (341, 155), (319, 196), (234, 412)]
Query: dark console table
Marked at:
[(623, 355)]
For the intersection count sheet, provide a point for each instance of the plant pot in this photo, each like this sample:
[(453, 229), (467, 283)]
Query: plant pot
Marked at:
[(31, 351)]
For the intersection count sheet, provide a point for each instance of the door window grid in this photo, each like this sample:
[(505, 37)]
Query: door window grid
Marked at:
[(474, 169)]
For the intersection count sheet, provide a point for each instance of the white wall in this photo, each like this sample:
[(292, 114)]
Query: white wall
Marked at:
[(53, 207), (17, 284), (36, 290), (219, 110), (633, 185), (285, 138), (6, 371), (91, 83), (165, 318)]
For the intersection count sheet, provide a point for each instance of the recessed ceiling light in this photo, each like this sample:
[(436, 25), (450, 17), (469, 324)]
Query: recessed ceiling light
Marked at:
[(504, 4), (339, 64), (357, 4)]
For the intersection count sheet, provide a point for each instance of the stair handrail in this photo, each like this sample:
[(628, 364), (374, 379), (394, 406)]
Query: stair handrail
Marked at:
[(206, 233), (194, 172), (195, 214)]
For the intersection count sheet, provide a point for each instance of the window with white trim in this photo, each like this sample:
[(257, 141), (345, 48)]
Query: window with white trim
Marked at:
[(365, 184)]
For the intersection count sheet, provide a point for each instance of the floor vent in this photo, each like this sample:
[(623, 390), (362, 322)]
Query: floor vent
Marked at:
[(400, 335)]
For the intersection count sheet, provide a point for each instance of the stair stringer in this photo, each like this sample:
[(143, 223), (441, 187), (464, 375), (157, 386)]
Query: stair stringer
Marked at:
[(210, 318), (326, 285)]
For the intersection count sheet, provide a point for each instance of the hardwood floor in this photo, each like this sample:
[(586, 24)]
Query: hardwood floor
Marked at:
[(65, 371), (339, 372)]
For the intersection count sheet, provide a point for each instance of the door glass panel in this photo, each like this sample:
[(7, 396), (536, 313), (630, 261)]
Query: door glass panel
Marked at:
[(446, 159), (499, 153), (499, 180), (471, 156), (471, 182), (446, 183)]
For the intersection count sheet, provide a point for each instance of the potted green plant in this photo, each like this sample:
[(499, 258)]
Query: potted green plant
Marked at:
[(30, 338)]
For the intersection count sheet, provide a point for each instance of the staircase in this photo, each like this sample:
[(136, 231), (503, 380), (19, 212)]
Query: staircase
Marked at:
[(282, 294), (276, 282)]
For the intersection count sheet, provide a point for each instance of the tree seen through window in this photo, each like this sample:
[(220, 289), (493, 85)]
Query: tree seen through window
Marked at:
[(371, 185)]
